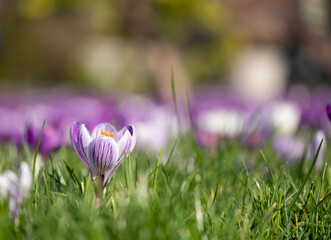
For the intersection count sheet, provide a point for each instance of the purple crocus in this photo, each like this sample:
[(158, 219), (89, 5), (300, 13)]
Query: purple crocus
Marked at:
[(289, 148), (51, 139), (151, 119), (328, 111), (11, 126), (102, 151)]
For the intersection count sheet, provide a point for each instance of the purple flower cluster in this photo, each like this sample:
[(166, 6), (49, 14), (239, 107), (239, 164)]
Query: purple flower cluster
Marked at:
[(219, 115), (215, 115), (21, 118)]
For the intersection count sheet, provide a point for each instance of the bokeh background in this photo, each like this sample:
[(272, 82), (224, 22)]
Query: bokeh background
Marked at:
[(130, 46), (258, 68)]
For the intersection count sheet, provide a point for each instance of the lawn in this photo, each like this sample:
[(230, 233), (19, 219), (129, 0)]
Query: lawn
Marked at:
[(182, 192)]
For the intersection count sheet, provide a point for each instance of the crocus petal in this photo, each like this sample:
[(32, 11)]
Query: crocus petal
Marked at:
[(103, 127), (8, 183), (4, 185), (124, 145), (25, 178), (328, 111), (102, 155), (289, 148), (132, 131), (316, 140), (51, 141), (83, 141), (109, 173), (15, 205), (30, 136), (74, 138)]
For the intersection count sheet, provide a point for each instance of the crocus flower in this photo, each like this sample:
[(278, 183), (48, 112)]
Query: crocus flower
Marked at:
[(16, 188), (328, 111), (95, 110), (102, 151), (34, 114), (51, 139), (218, 114), (11, 126), (289, 148), (151, 119), (313, 147), (283, 117)]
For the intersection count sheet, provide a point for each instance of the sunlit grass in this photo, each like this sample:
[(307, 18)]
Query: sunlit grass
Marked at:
[(200, 193)]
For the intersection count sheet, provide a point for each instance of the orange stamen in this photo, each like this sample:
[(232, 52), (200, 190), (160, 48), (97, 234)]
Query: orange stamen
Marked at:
[(107, 134)]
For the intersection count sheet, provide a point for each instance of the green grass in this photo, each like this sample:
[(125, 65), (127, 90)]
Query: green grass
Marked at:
[(230, 193)]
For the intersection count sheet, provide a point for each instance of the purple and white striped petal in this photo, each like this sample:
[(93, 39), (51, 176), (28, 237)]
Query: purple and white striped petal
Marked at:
[(109, 173), (74, 136), (102, 155), (83, 141), (124, 145), (132, 131), (107, 127)]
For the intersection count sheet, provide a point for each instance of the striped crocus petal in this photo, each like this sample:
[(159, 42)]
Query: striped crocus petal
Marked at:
[(103, 153), (74, 136), (124, 145), (109, 173), (80, 139), (128, 129), (328, 111), (126, 140), (83, 141), (103, 128)]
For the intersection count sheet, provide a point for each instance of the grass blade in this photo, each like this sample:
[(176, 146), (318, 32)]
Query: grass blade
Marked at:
[(36, 152), (172, 151), (267, 163), (306, 177), (216, 192), (157, 169), (174, 96)]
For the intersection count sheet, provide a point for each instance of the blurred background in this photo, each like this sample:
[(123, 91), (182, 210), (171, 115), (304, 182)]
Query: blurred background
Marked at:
[(251, 69), (130, 46)]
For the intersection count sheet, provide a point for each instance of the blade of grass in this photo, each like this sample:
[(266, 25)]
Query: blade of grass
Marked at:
[(136, 173), (325, 198), (46, 186), (126, 172), (267, 163), (73, 177), (174, 96), (216, 192), (306, 177), (322, 181), (36, 152), (157, 169), (59, 194), (278, 209), (172, 151)]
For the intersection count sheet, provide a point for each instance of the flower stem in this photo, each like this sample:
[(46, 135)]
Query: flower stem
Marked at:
[(98, 188)]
